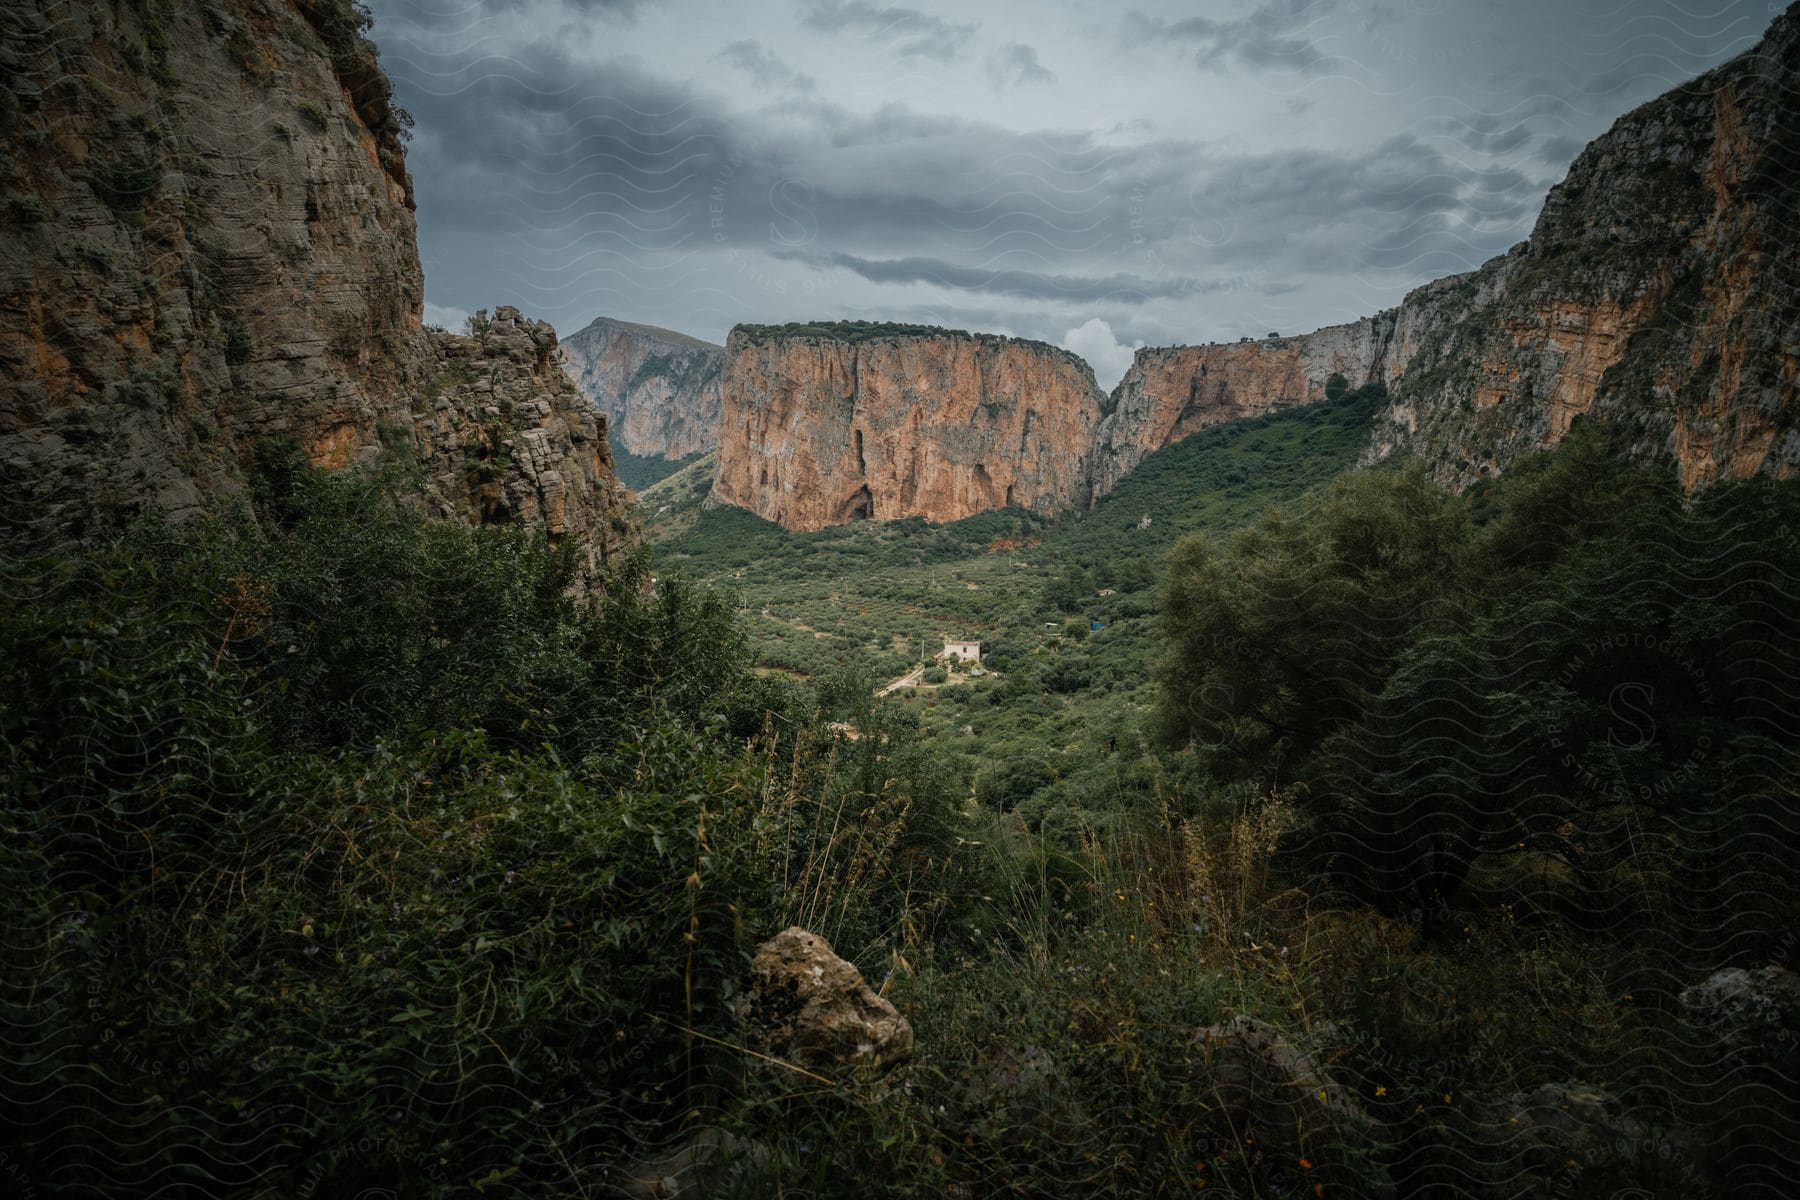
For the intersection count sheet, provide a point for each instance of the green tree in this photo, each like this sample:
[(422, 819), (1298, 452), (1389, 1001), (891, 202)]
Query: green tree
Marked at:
[(1284, 634)]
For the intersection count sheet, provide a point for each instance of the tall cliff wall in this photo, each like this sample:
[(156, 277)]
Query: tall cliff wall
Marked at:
[(1170, 392), (211, 242), (832, 423), (1660, 289), (660, 390)]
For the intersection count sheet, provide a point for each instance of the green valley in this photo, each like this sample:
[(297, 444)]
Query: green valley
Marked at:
[(870, 601)]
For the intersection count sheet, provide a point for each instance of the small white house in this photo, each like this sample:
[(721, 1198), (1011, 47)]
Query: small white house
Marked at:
[(966, 651)]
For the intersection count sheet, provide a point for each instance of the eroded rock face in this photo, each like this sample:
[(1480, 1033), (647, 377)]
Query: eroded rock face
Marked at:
[(506, 438), (1170, 392), (1657, 291), (807, 1006), (211, 243), (825, 426), (660, 390)]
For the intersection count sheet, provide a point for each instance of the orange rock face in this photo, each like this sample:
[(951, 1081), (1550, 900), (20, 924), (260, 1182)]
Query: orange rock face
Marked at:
[(1171, 392), (1656, 293), (821, 428)]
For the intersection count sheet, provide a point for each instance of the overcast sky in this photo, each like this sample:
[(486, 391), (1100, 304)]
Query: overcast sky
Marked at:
[(1095, 175)]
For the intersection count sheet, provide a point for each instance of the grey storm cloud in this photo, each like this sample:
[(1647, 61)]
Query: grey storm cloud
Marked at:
[(908, 31), (1274, 34), (765, 66), (1016, 63), (1030, 285), (845, 158)]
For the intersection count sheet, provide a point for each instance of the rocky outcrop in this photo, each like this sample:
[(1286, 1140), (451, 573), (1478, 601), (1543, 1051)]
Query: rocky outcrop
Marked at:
[(1747, 1010), (659, 389), (504, 437), (831, 423), (808, 1007), (1276, 1094), (211, 244)]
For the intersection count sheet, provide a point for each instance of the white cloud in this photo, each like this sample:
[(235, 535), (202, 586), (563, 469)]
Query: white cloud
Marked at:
[(450, 318), (1093, 339)]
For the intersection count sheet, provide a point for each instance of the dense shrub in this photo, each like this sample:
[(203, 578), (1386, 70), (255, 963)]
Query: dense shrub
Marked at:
[(351, 851)]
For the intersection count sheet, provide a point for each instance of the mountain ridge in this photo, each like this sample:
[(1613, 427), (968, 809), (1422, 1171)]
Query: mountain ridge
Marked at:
[(658, 388), (1657, 291)]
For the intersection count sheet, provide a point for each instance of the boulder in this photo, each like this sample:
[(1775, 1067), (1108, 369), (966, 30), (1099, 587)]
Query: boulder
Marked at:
[(1584, 1140), (1275, 1096), (807, 1006), (1747, 1009)]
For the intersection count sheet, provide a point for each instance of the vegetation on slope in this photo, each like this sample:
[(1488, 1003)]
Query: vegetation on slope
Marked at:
[(347, 851), (640, 471)]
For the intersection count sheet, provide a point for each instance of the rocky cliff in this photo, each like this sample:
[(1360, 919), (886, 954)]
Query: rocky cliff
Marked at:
[(1658, 291), (659, 389), (1170, 392), (838, 422), (211, 243)]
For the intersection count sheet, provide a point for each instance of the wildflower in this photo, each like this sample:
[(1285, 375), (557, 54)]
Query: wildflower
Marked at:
[(1321, 1095), (1380, 1090), (1306, 1164)]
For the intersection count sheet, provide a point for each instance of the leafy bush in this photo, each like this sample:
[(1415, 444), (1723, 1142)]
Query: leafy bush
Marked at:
[(1601, 657), (363, 823)]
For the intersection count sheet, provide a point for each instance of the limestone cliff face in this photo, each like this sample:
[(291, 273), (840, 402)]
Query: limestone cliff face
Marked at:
[(834, 423), (1658, 292), (659, 389), (211, 243), (1660, 289), (1170, 392)]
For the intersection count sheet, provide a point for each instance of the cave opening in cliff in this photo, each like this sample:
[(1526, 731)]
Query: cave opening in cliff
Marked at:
[(858, 506)]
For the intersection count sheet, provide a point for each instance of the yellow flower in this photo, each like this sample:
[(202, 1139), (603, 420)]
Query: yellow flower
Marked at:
[(1380, 1091)]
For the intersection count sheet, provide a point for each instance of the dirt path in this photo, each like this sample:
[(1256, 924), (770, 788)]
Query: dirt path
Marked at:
[(909, 680)]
